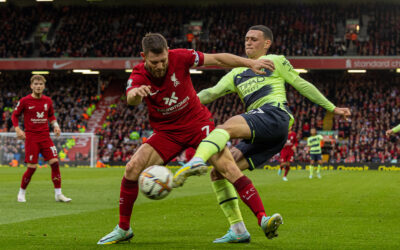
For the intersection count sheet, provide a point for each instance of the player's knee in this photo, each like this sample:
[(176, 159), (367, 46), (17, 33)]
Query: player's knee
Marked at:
[(215, 175), (133, 169), (54, 160)]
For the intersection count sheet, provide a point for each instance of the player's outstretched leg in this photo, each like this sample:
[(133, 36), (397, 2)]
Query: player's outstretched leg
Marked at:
[(196, 166), (271, 224), (56, 178), (26, 178), (117, 235), (212, 144)]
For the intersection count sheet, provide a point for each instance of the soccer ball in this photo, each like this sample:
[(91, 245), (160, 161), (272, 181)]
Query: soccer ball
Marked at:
[(155, 182)]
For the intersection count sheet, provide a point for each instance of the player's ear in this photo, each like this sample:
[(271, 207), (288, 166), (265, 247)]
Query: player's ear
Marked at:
[(267, 44)]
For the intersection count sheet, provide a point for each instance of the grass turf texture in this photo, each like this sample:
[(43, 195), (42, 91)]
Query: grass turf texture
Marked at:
[(343, 210)]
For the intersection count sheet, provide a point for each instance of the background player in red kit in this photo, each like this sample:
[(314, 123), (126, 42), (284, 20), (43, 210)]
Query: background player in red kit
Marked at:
[(287, 153), (38, 111), (178, 118)]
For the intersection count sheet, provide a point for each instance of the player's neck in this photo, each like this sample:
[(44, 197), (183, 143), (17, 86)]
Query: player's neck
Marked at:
[(36, 96)]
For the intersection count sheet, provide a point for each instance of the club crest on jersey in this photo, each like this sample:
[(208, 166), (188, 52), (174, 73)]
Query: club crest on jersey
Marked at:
[(40, 114), (172, 100), (45, 107), (175, 80)]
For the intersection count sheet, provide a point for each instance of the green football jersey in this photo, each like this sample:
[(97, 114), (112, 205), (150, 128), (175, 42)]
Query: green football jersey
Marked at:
[(314, 142), (256, 90)]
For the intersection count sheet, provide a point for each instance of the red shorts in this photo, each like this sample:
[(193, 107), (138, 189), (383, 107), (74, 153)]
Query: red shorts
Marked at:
[(35, 145), (286, 156), (170, 144)]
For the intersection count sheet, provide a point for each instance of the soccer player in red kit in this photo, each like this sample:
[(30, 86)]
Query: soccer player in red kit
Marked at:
[(178, 118), (287, 153), (38, 111)]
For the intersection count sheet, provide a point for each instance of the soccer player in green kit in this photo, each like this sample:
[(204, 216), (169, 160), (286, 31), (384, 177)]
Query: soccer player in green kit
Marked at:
[(314, 143), (263, 128)]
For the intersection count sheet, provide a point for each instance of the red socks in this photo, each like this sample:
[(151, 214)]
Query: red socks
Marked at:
[(287, 168), (250, 196), (26, 178), (128, 195), (55, 175)]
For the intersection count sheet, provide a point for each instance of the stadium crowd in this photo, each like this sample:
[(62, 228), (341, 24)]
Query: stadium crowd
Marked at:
[(299, 29)]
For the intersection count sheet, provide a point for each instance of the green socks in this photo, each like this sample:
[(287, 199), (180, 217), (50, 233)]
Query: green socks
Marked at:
[(228, 201), (318, 169), (215, 142), (311, 170)]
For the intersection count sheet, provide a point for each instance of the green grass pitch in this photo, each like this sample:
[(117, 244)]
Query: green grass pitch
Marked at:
[(343, 210)]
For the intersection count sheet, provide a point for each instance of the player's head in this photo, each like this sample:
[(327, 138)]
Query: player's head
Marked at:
[(257, 41), (313, 131), (38, 83), (155, 54)]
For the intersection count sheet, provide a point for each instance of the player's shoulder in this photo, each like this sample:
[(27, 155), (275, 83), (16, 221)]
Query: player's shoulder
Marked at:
[(25, 98), (178, 52), (275, 58)]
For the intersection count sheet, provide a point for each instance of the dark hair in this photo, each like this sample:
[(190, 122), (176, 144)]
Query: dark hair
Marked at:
[(154, 42), (265, 30)]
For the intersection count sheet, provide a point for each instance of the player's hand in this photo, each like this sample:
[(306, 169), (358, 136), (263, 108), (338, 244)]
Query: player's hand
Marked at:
[(260, 64), (389, 133), (141, 91), (294, 149), (20, 133), (344, 112), (57, 131)]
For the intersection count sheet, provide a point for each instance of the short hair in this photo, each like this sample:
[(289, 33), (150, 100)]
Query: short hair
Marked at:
[(154, 42), (39, 78), (265, 30)]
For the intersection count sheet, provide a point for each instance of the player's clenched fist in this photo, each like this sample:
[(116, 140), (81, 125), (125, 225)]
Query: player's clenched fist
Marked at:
[(260, 64), (344, 112)]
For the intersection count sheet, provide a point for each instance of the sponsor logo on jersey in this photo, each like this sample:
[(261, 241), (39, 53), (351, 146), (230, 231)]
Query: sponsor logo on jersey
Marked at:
[(174, 80), (31, 107), (40, 114), (170, 100)]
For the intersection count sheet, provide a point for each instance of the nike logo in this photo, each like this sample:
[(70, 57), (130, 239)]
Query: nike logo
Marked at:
[(31, 107), (153, 93), (59, 66)]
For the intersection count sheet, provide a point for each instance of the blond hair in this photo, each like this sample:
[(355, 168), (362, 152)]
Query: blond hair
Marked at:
[(38, 78)]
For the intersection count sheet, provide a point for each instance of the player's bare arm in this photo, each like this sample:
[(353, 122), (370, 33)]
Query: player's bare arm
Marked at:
[(231, 61), (136, 95), (20, 133)]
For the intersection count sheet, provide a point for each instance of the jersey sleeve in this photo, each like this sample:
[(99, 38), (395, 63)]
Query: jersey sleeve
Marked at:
[(308, 90), (321, 138), (396, 129), (51, 116), (191, 57), (135, 80), (223, 87), (308, 141), (285, 69), (17, 112)]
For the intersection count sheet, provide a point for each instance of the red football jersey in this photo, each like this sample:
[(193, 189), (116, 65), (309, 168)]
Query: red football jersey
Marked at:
[(173, 103), (37, 114), (291, 141)]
